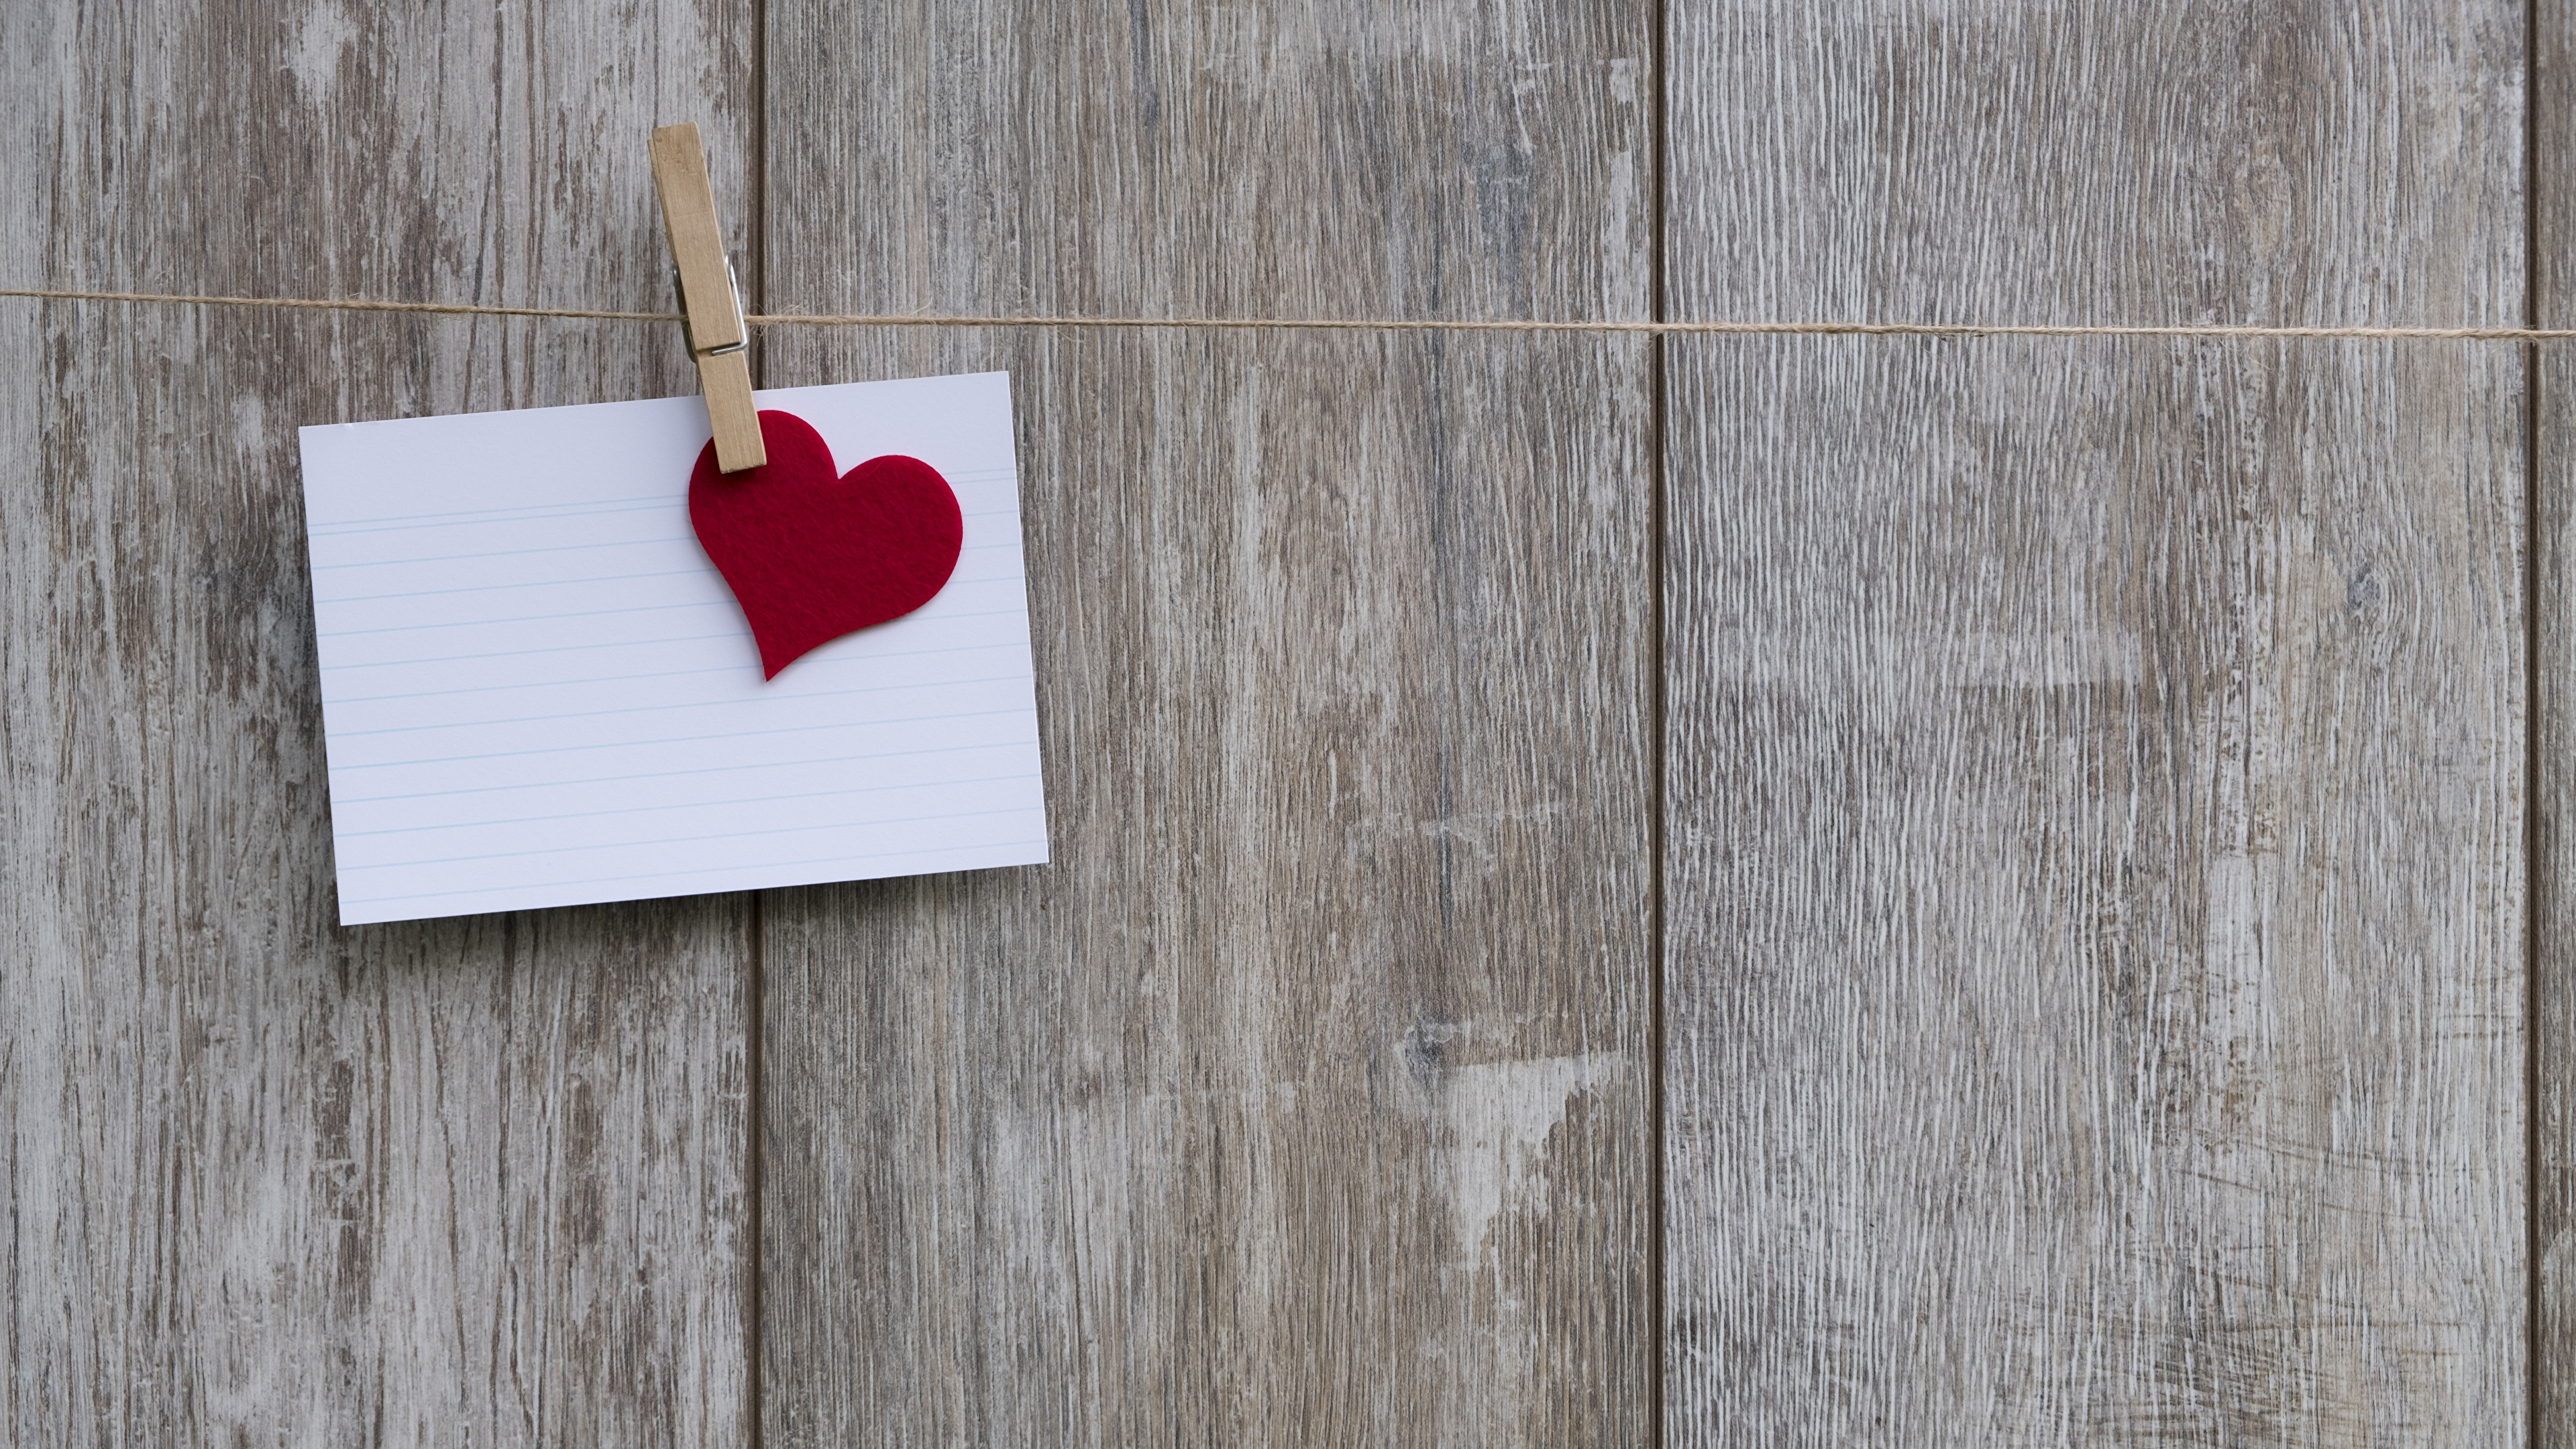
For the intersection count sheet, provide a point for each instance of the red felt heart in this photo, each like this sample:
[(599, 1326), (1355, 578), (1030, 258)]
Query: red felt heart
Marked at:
[(812, 554)]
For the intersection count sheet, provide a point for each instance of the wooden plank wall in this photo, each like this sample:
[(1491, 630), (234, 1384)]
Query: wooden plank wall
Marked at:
[(2553, 693), (2096, 954), (1740, 891), (270, 1181), (1306, 1097)]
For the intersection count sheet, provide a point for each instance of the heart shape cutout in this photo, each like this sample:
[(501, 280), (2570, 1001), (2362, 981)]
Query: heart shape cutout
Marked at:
[(812, 554)]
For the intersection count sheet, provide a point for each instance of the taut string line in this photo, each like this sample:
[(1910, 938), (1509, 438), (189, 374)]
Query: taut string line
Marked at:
[(1323, 324)]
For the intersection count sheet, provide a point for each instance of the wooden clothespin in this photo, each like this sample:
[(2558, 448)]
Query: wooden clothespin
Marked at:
[(718, 338)]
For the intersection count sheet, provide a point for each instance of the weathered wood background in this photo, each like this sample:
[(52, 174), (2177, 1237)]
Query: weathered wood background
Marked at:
[(1760, 892)]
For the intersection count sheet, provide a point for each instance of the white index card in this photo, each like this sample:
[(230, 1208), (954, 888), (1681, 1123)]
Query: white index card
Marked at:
[(537, 691)]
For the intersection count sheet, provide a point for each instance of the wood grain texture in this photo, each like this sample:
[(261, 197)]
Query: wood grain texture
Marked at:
[(2553, 887), (1305, 1098), (270, 1181), (2095, 957)]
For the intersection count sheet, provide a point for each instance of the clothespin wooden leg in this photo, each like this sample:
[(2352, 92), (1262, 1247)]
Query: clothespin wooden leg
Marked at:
[(718, 337), (726, 379)]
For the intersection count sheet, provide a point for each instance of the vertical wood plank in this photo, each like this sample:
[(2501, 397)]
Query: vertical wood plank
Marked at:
[(2553, 902), (2095, 899), (1305, 1098), (270, 1181)]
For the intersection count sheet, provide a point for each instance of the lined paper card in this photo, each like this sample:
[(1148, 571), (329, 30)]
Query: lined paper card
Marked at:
[(537, 691)]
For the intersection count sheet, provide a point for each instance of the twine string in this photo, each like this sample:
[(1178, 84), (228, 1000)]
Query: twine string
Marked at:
[(1352, 324)]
